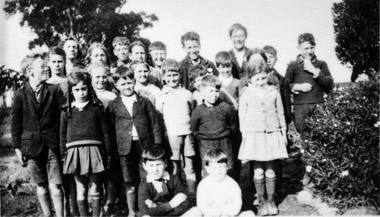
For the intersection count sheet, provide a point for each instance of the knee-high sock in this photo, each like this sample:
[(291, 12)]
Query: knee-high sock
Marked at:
[(58, 202), (260, 188), (95, 201), (271, 187), (83, 207)]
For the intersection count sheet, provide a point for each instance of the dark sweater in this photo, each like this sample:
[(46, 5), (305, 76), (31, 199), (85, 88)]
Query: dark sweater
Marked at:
[(148, 191), (86, 127), (285, 95), (216, 122), (323, 83), (186, 64)]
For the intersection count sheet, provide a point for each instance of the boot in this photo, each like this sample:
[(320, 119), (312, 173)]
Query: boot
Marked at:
[(260, 189), (45, 203), (271, 186), (58, 203), (83, 207)]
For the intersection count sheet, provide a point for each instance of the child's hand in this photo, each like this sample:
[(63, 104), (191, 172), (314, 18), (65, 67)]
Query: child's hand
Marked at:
[(309, 67), (177, 200), (304, 87), (23, 161), (150, 203), (284, 137)]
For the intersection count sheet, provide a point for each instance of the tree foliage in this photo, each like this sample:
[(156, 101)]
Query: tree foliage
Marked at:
[(85, 20), (356, 27)]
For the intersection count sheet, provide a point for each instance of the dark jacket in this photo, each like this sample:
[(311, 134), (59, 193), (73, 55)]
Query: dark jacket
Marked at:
[(323, 83), (144, 118), (35, 124), (237, 71), (284, 88), (186, 65)]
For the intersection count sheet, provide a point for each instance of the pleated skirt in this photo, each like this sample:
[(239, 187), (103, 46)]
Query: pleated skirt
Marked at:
[(83, 160)]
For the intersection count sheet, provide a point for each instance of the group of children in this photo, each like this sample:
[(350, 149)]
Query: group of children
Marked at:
[(91, 130)]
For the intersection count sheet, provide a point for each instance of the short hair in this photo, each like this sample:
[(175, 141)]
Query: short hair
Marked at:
[(157, 45), (120, 40), (210, 81), (97, 65), (256, 51), (190, 36), (235, 27), (170, 65), (29, 60), (92, 47), (196, 71), (223, 58), (134, 44), (270, 49), (255, 67), (123, 72), (217, 155), (62, 45), (306, 37), (154, 153), (135, 63), (56, 51)]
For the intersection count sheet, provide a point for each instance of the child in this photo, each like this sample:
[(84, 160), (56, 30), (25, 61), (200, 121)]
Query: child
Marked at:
[(255, 54), (196, 74), (35, 132), (137, 52), (73, 54), (135, 124), (56, 62), (157, 51), (214, 122), (160, 194), (238, 34), (218, 194), (120, 46), (143, 87), (192, 45), (84, 138), (175, 104), (229, 83), (263, 128), (309, 78)]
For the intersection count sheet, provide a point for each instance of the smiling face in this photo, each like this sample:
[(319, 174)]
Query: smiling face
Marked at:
[(172, 78), (192, 48), (306, 50), (141, 73), (56, 64), (80, 92), (238, 38), (99, 78), (210, 94), (38, 71), (98, 55), (260, 80), (71, 49), (155, 169), (217, 171), (224, 70), (121, 52), (138, 53), (158, 56), (125, 86)]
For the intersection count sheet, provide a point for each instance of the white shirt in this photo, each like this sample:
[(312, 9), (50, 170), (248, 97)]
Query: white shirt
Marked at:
[(128, 102), (239, 56), (225, 81)]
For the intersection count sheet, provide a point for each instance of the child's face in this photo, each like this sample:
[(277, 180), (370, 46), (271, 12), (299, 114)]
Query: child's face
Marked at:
[(210, 94), (141, 73), (71, 49), (38, 71), (56, 64), (271, 60), (197, 82), (158, 56), (192, 49), (98, 55), (99, 78), (126, 86), (155, 169), (121, 52), (225, 71), (217, 171), (260, 80), (80, 92), (238, 38), (306, 50), (138, 53), (172, 78)]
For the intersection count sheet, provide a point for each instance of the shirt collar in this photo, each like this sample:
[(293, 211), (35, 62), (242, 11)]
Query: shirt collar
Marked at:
[(165, 177), (79, 105), (166, 89), (129, 98)]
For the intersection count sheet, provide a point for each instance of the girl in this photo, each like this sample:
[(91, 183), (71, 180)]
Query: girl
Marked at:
[(73, 54), (263, 128), (56, 62), (84, 138), (141, 72), (238, 35)]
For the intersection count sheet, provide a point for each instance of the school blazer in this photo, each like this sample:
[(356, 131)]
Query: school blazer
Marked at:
[(237, 71), (144, 118), (35, 124), (266, 115)]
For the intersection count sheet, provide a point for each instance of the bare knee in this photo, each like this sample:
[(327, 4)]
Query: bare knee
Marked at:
[(259, 173), (55, 189), (269, 173), (42, 189)]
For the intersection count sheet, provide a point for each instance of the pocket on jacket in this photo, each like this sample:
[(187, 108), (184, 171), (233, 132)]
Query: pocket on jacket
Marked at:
[(31, 144)]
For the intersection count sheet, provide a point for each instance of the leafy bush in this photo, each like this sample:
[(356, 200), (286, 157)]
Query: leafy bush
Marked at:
[(342, 148)]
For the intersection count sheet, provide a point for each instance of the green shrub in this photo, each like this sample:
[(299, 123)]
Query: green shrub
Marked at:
[(342, 148)]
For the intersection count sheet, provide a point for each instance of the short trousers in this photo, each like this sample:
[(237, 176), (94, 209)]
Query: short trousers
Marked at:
[(181, 144), (131, 164), (46, 167)]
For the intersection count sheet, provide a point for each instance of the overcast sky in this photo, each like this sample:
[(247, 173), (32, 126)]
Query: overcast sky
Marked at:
[(269, 22)]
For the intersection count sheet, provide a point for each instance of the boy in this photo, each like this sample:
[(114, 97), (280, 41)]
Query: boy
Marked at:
[(191, 44), (175, 104), (136, 127), (309, 78), (160, 194), (238, 34), (35, 132), (157, 51), (218, 194), (214, 122), (120, 46)]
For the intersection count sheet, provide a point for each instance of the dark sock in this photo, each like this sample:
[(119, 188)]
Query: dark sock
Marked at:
[(83, 207)]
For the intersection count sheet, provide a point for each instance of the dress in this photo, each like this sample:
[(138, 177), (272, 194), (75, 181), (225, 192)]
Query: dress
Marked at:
[(261, 122)]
